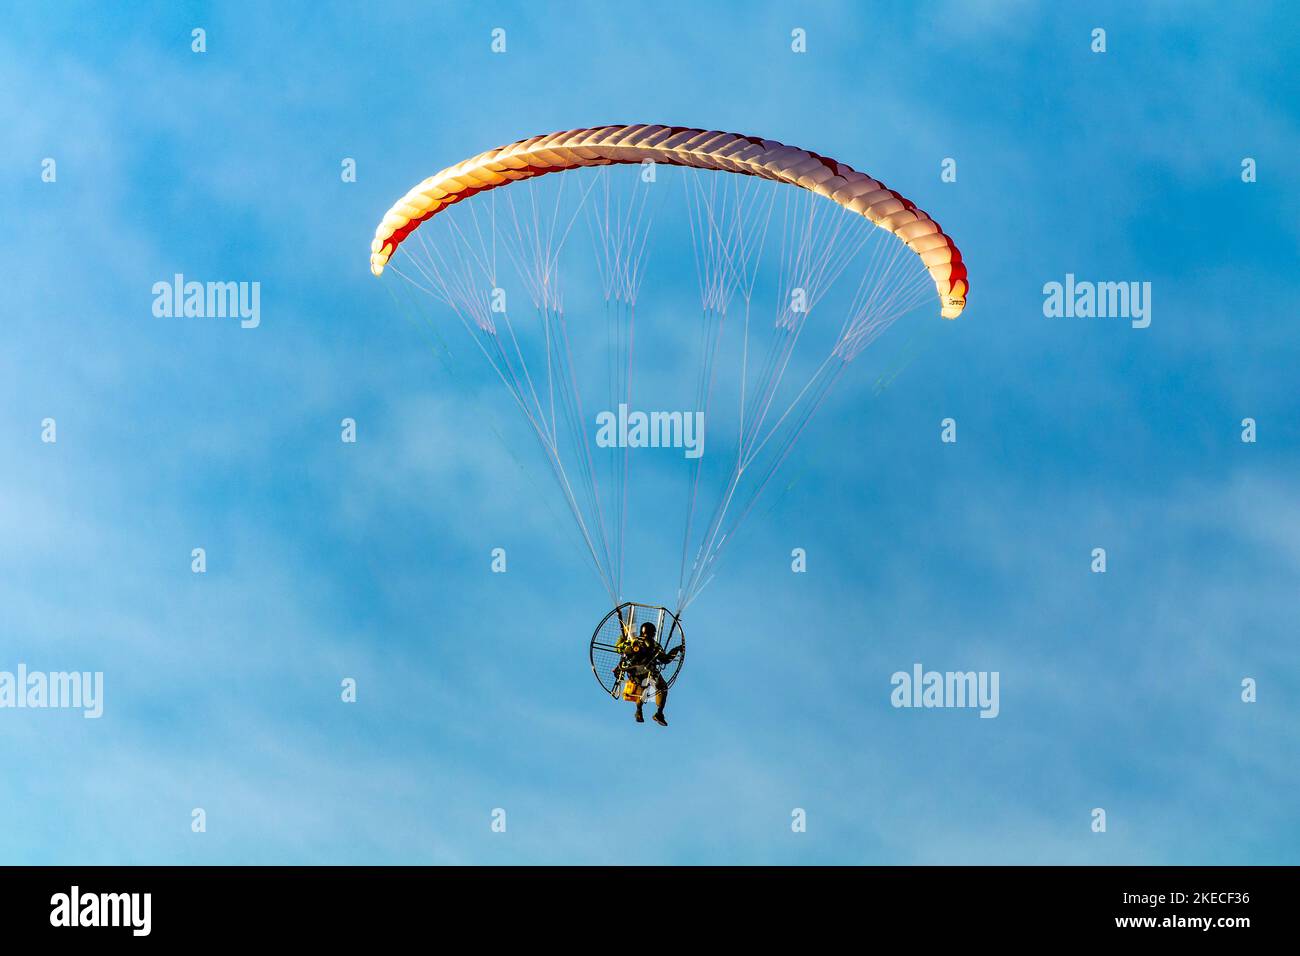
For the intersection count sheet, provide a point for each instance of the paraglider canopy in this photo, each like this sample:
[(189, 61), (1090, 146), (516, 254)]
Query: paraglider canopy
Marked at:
[(681, 146), (627, 620)]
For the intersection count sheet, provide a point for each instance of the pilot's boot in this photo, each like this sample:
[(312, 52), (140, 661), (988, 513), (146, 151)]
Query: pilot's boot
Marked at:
[(660, 699), (640, 717)]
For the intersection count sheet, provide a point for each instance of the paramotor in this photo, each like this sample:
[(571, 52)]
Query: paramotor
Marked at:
[(625, 620)]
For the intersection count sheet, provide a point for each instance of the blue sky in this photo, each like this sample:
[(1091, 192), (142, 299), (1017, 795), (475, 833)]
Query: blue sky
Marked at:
[(371, 561)]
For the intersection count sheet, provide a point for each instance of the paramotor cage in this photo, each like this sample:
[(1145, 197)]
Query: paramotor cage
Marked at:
[(627, 618)]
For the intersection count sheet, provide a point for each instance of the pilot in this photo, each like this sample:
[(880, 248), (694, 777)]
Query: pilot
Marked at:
[(640, 660)]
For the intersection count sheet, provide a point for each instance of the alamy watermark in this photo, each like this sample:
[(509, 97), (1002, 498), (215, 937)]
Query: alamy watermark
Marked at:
[(133, 911), (61, 690), (946, 689), (1104, 300), (208, 300), (632, 429)]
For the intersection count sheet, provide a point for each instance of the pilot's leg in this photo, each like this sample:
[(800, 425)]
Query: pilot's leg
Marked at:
[(661, 698), (638, 716)]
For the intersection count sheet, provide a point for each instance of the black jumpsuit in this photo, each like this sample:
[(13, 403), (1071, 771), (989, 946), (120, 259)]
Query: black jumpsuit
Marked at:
[(641, 659)]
